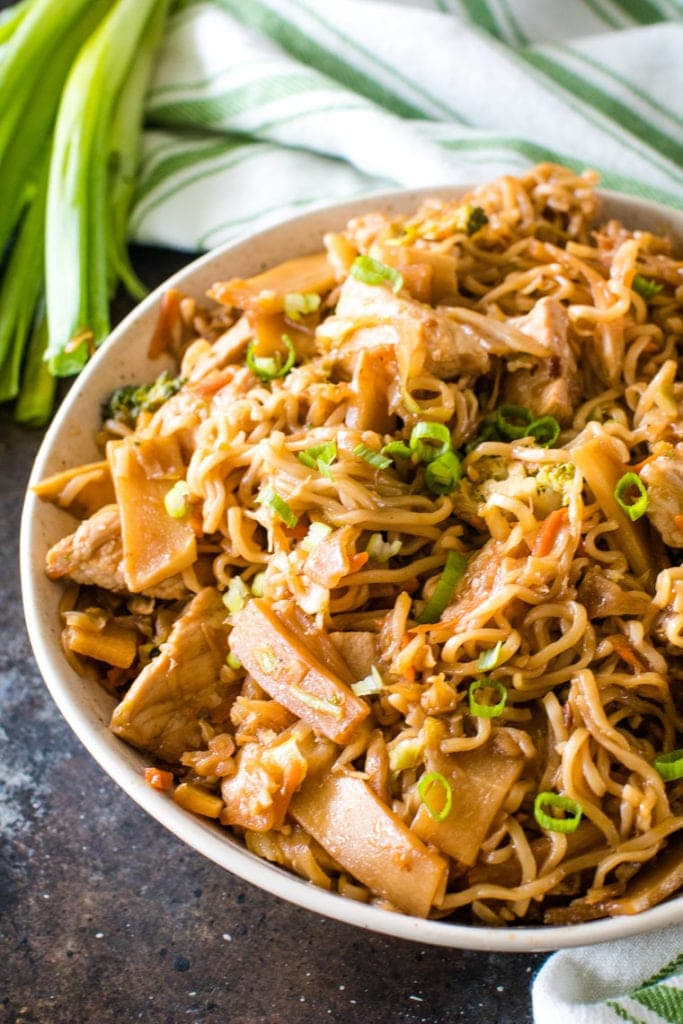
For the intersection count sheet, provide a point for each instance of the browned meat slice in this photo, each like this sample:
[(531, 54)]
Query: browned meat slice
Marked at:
[(663, 477), (94, 555), (552, 386), (438, 344), (162, 710), (359, 651), (287, 668), (257, 796), (603, 598), (374, 372)]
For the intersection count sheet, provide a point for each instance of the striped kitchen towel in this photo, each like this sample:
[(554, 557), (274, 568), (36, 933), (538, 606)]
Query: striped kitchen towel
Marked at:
[(264, 108)]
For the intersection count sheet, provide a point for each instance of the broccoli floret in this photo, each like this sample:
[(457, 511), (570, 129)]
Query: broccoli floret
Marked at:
[(471, 219), (126, 403)]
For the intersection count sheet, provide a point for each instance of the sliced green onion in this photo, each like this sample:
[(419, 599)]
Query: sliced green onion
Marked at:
[(257, 584), (453, 571), (488, 432), (316, 532), (271, 367), (372, 457), (372, 683), (490, 659), (371, 271), (235, 597), (645, 287), (319, 456), (381, 550), (233, 662), (406, 754), (562, 803), (443, 474), (397, 449), (426, 782), (298, 304), (670, 766), (487, 710), (545, 430), (513, 421), (638, 506), (175, 500), (428, 441), (279, 506)]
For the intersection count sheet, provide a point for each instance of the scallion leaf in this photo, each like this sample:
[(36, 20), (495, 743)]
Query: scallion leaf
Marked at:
[(372, 683), (271, 367), (175, 500), (235, 597), (372, 457), (397, 449), (319, 456), (453, 571), (562, 803), (298, 304), (371, 271), (233, 662), (670, 766), (445, 795), (443, 474), (490, 659), (645, 287), (487, 710), (380, 550), (257, 584), (406, 754), (631, 496), (545, 431), (316, 532), (428, 441), (279, 506), (513, 421)]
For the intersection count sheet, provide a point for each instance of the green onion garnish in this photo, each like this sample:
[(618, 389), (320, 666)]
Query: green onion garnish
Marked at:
[(428, 441), (426, 782), (490, 659), (382, 550), (271, 367), (637, 507), (397, 449), (316, 532), (646, 288), (257, 584), (372, 683), (236, 595), (487, 710), (442, 475), (406, 754), (453, 571), (175, 500), (562, 803), (670, 766), (513, 421), (279, 506), (545, 430), (298, 304), (319, 456), (374, 458), (233, 662), (371, 271)]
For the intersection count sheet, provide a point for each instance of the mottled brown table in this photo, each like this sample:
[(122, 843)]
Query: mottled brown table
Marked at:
[(106, 917)]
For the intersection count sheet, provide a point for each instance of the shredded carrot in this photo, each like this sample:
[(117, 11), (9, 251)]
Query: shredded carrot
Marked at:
[(213, 382), (297, 532), (626, 653), (358, 561), (639, 465), (167, 324), (547, 535), (678, 523), (157, 778)]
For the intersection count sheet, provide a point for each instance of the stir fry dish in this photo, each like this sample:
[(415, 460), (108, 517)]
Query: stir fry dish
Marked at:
[(388, 580)]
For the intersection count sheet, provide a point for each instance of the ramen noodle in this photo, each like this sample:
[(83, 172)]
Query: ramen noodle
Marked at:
[(387, 581)]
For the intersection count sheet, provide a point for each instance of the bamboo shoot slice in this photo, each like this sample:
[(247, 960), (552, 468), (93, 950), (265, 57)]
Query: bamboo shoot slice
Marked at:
[(266, 292)]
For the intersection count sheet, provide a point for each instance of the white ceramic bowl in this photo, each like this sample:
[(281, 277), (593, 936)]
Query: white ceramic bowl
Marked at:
[(70, 440)]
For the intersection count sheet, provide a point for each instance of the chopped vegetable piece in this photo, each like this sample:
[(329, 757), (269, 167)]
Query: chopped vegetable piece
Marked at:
[(490, 659), (271, 367), (513, 421), (381, 550), (298, 304), (397, 449), (199, 801), (175, 500), (455, 566), (487, 710), (126, 403), (547, 535), (370, 271), (430, 441), (442, 475), (645, 287), (265, 293), (257, 584), (233, 662), (319, 456), (562, 803), (374, 458), (158, 778), (406, 754), (316, 533), (373, 683), (279, 506), (445, 797), (471, 219), (236, 595), (634, 505), (546, 431), (670, 766)]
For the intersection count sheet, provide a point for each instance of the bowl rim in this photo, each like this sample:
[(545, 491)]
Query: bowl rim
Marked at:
[(206, 839)]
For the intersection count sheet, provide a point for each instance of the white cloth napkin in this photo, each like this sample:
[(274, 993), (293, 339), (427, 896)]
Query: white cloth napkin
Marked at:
[(260, 109)]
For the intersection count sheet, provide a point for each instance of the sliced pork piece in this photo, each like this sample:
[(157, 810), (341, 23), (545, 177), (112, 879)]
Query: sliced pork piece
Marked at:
[(663, 477), (94, 555), (358, 649), (552, 386), (162, 710)]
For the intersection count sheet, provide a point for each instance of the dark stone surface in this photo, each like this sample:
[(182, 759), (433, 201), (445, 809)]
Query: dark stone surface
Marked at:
[(106, 917)]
